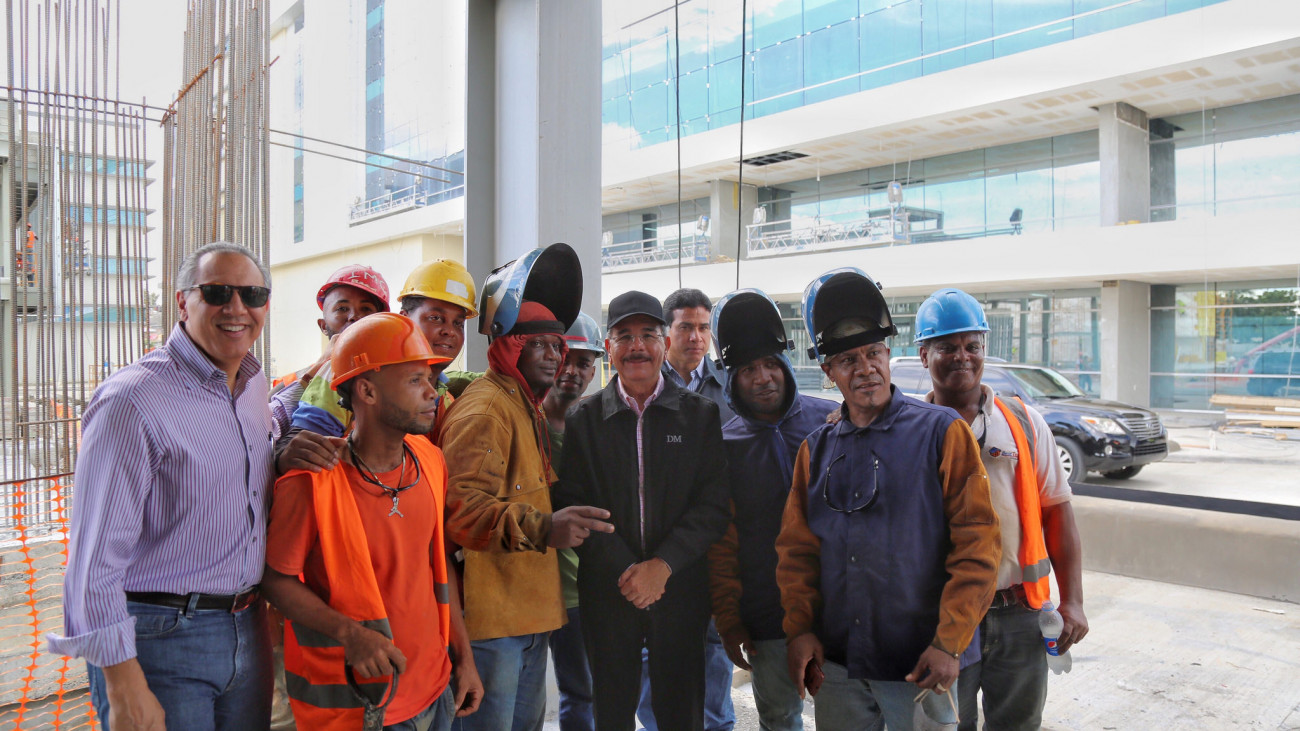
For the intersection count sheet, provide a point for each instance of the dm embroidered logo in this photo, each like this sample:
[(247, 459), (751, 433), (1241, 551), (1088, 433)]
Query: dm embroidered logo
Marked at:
[(674, 438)]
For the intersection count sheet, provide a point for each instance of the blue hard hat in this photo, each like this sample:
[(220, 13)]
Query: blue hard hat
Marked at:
[(949, 311), (747, 325), (585, 335), (843, 294), (551, 276)]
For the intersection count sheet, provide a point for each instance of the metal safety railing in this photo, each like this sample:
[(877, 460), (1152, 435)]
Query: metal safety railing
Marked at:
[(776, 237), (412, 196), (653, 251)]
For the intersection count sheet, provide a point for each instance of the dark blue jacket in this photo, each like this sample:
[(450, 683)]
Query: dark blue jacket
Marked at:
[(760, 459), (889, 542)]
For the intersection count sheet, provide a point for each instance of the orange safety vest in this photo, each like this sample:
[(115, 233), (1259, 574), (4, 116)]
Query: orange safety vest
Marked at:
[(1035, 564), (313, 662)]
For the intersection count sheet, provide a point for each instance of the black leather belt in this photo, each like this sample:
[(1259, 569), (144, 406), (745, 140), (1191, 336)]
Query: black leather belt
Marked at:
[(224, 602), (1013, 597)]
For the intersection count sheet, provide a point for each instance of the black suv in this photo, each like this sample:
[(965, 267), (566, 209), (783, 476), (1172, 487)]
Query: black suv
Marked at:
[(1109, 437)]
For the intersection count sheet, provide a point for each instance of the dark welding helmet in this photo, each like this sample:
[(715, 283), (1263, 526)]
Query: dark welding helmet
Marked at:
[(551, 277), (747, 325), (844, 309)]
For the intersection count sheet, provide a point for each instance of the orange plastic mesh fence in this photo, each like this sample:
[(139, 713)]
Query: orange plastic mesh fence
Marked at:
[(37, 690)]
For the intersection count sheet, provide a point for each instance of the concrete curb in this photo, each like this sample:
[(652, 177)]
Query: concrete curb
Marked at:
[(1237, 553)]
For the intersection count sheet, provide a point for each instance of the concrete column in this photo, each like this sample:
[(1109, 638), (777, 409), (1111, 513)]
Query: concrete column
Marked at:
[(731, 210), (532, 148), (1124, 147), (1126, 342), (1164, 189)]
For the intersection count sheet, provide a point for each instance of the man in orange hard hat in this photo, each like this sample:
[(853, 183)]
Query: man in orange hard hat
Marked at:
[(371, 619)]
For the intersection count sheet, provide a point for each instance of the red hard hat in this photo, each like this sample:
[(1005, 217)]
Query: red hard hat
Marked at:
[(376, 341), (363, 278)]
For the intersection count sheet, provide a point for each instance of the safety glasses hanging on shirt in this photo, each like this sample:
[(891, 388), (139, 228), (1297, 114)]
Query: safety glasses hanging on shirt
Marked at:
[(841, 482), (219, 295)]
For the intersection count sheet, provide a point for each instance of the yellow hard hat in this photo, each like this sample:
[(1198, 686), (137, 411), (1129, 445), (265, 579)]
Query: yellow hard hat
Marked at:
[(442, 279)]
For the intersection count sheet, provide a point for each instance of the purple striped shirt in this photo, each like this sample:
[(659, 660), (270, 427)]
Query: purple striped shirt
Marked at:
[(639, 410), (171, 492)]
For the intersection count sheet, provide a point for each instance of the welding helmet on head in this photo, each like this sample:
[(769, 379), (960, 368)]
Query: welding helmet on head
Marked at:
[(585, 335), (551, 277), (442, 279), (844, 309), (747, 325), (947, 312)]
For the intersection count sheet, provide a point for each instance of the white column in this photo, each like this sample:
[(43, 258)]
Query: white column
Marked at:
[(532, 138), (1125, 152), (1126, 342)]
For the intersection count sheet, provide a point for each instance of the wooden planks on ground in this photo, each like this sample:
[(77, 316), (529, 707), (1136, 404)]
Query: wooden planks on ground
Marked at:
[(1266, 411)]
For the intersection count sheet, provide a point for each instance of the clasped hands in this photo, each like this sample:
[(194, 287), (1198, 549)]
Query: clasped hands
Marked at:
[(643, 583)]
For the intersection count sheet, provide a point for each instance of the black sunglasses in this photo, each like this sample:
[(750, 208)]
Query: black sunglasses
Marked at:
[(218, 295)]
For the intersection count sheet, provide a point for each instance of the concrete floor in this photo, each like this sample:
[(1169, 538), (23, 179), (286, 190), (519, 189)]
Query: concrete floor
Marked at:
[(1165, 656), (1240, 465), (1162, 656), (1158, 656)]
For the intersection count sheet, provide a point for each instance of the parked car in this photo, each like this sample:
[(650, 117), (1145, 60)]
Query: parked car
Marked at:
[(1274, 363), (1092, 435)]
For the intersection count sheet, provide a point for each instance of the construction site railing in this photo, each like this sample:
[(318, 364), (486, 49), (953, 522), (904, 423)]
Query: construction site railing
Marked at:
[(631, 254)]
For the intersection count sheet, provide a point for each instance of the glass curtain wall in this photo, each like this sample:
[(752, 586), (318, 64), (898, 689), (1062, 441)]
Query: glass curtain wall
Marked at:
[(1040, 185), (798, 52), (1237, 160), (1235, 339), (408, 115)]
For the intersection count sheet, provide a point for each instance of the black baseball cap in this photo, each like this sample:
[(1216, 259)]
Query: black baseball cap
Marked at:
[(635, 303)]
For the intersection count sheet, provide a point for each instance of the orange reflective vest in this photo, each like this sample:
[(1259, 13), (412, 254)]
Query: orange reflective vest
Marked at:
[(313, 662), (1034, 562)]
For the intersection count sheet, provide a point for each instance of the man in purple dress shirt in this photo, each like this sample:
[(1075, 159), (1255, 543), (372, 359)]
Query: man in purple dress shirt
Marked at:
[(168, 535)]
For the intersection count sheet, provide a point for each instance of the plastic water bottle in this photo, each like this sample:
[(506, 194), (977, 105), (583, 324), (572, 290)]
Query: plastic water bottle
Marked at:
[(1051, 624)]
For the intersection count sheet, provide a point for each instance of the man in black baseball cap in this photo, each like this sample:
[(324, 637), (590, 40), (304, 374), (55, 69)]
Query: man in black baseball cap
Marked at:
[(668, 505)]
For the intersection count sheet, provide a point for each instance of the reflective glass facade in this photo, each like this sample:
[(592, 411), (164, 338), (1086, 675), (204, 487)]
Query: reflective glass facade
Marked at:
[(1039, 185), (1241, 339), (1242, 159), (788, 53), (402, 117)]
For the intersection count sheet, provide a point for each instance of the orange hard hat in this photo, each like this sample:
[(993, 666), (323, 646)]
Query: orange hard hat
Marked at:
[(376, 341)]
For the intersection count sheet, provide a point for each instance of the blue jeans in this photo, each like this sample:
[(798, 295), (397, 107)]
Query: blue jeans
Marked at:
[(845, 704), (210, 669), (779, 707), (1012, 673), (513, 671), (572, 675), (719, 713), (437, 717)]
